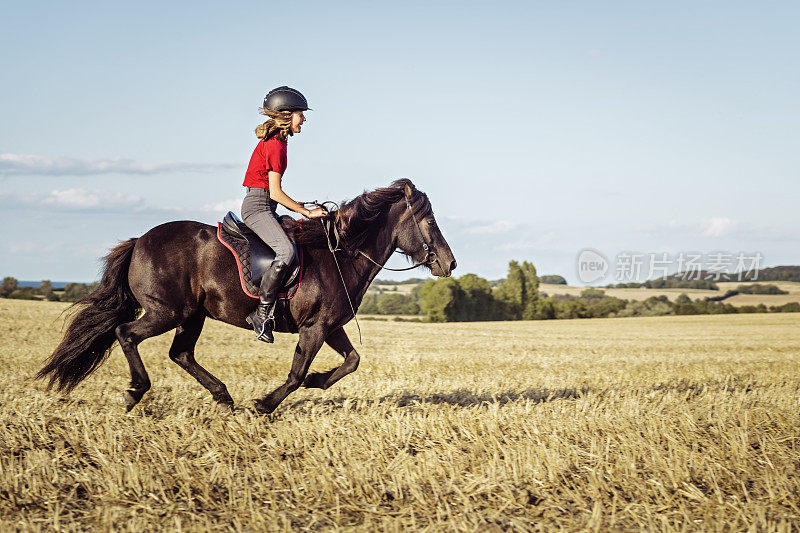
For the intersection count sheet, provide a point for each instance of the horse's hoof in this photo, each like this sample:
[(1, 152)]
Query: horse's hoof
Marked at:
[(223, 399), (130, 400), (261, 407), (225, 408), (225, 403)]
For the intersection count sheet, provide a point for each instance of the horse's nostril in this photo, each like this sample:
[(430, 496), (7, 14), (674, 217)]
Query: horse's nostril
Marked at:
[(452, 265)]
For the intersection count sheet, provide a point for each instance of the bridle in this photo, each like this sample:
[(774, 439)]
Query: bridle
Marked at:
[(430, 256), (331, 227)]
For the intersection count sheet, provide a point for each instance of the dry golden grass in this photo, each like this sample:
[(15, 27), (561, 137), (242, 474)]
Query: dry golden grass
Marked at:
[(629, 294), (397, 289), (669, 423), (793, 288)]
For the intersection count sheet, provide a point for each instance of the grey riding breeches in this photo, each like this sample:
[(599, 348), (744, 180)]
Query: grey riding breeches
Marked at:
[(258, 212)]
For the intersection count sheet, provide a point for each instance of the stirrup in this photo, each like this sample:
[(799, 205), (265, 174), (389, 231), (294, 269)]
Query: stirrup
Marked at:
[(265, 332)]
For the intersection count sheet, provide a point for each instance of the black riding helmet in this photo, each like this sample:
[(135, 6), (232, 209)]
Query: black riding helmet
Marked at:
[(286, 99)]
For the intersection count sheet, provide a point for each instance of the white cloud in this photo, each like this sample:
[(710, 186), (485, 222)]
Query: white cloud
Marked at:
[(540, 241), (83, 199), (707, 227), (27, 164), (224, 206), (718, 226), (492, 228), (77, 200)]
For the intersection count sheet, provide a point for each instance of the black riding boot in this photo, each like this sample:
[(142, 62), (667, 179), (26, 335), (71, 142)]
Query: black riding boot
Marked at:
[(263, 318)]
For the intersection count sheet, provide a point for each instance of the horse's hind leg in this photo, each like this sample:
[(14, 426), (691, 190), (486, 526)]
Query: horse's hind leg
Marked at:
[(182, 352), (130, 335), (338, 341)]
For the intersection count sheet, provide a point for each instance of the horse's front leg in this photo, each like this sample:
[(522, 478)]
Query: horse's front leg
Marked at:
[(310, 342), (338, 341)]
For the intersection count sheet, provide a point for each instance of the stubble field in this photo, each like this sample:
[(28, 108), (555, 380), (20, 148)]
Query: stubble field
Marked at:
[(668, 423), (792, 289)]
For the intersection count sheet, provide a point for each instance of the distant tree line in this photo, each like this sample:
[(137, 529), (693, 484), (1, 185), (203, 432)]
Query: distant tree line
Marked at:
[(552, 279), (472, 298), (517, 297), (71, 292), (409, 281), (759, 288), (668, 283), (755, 288), (389, 304), (778, 273)]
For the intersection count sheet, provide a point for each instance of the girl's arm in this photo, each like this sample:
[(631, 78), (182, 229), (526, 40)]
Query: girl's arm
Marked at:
[(277, 194)]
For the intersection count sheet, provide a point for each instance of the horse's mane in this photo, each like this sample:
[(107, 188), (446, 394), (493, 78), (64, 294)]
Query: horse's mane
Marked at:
[(355, 219)]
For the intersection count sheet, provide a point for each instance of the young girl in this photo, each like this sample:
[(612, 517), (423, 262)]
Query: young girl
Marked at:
[(284, 106)]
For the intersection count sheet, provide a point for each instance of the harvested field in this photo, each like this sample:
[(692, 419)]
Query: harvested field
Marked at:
[(667, 423), (793, 288)]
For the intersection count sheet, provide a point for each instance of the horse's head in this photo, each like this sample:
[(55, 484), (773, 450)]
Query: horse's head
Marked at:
[(416, 233), (400, 216)]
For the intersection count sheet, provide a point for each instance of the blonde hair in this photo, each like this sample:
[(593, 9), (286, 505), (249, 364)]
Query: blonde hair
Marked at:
[(279, 123)]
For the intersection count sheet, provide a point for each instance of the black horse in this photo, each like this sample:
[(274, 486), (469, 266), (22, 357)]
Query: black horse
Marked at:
[(178, 273)]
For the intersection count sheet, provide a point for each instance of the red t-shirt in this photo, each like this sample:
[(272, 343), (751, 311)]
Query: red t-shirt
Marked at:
[(269, 155)]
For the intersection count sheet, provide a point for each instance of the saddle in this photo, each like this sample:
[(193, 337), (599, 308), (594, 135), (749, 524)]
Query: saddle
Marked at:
[(253, 256)]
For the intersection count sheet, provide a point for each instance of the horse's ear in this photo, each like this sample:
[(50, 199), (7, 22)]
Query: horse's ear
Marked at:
[(409, 190)]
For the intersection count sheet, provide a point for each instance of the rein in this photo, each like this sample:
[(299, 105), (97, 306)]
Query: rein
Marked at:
[(335, 260)]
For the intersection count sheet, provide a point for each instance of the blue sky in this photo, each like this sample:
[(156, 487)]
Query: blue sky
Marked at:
[(537, 129)]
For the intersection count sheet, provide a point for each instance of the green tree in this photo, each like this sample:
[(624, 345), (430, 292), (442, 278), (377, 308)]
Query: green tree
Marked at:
[(571, 308), (440, 299), (513, 290), (45, 288), (478, 302), (520, 290), (791, 307), (75, 291), (531, 281), (22, 293), (591, 292), (9, 285), (758, 288), (653, 306), (392, 304), (369, 305), (540, 309)]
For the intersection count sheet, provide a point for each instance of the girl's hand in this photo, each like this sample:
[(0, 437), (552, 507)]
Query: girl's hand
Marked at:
[(317, 212)]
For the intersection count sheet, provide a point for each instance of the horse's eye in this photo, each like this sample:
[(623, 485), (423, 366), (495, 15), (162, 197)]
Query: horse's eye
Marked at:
[(431, 222)]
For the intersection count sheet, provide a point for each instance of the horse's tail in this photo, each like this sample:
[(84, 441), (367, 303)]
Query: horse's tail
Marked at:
[(91, 333)]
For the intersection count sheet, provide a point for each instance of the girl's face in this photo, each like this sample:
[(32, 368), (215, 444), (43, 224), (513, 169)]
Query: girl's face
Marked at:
[(297, 121)]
